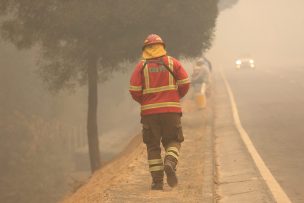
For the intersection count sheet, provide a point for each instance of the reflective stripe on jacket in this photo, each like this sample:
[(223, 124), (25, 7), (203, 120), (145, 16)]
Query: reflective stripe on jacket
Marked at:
[(155, 88)]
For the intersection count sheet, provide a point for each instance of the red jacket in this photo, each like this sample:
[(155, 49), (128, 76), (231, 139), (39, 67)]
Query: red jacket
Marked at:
[(156, 89)]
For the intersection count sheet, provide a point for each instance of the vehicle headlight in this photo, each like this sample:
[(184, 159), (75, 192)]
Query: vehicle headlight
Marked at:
[(238, 62)]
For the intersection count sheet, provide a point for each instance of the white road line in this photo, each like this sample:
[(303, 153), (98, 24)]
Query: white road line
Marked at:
[(275, 188)]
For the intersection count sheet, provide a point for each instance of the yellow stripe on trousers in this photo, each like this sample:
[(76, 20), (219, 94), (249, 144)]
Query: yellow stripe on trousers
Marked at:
[(155, 161), (172, 154), (156, 168)]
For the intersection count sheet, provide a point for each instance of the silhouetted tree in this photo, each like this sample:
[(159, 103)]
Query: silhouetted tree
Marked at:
[(85, 40), (224, 4)]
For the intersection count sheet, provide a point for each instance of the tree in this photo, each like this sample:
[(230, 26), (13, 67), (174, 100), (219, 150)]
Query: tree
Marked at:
[(224, 4), (84, 41)]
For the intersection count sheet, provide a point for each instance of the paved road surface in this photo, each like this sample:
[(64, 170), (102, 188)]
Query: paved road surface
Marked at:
[(270, 101)]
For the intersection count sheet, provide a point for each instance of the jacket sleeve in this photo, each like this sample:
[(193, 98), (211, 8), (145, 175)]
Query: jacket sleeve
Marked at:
[(183, 80), (136, 85)]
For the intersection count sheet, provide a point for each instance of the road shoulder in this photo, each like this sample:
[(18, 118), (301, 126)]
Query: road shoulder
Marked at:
[(237, 178)]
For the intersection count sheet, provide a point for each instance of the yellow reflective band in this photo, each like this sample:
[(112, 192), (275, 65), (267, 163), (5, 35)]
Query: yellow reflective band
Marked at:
[(172, 69), (159, 105), (173, 149), (155, 161), (172, 154), (156, 168), (184, 81), (146, 76), (160, 89), (135, 88)]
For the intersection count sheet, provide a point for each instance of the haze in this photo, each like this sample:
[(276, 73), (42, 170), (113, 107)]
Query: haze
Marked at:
[(270, 31), (268, 98)]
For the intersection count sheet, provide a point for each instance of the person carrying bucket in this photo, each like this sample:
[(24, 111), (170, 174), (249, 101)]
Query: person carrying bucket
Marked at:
[(200, 80)]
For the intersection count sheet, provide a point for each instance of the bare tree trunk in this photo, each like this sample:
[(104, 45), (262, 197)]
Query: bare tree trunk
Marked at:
[(92, 128)]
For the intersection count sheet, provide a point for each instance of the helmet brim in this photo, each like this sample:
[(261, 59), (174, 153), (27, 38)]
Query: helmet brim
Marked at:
[(152, 43)]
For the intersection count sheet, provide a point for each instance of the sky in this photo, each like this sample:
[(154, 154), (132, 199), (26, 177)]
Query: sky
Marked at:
[(270, 31)]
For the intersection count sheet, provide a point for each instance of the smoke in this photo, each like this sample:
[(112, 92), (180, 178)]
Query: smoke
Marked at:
[(270, 31), (42, 131)]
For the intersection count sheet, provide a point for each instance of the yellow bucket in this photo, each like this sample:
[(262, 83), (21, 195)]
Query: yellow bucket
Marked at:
[(200, 101)]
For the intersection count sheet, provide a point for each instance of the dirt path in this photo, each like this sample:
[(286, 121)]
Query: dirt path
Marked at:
[(127, 179)]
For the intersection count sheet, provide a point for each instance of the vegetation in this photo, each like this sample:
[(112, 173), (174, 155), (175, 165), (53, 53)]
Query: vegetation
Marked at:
[(20, 180), (35, 163), (224, 4)]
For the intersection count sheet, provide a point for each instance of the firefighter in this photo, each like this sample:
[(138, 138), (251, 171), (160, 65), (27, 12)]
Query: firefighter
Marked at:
[(201, 72), (200, 80), (158, 83), (207, 63)]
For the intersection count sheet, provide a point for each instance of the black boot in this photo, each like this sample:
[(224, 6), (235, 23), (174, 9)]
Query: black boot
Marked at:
[(157, 180), (170, 170), (157, 186)]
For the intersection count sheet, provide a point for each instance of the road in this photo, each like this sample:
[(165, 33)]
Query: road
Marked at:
[(270, 102)]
